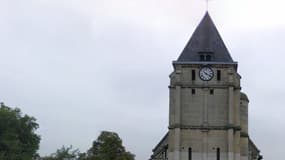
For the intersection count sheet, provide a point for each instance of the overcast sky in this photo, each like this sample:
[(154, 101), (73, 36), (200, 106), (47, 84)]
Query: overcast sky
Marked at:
[(83, 66)]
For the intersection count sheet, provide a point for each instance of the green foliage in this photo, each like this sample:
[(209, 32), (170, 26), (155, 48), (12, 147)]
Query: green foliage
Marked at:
[(18, 140), (108, 146), (64, 154)]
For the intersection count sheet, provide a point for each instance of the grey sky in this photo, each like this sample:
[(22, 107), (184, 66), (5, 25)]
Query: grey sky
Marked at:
[(83, 66)]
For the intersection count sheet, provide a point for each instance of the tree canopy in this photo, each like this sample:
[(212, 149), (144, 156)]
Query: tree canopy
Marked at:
[(108, 146), (18, 140), (64, 153)]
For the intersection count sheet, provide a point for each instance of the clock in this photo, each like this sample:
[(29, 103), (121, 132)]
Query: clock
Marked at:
[(206, 73)]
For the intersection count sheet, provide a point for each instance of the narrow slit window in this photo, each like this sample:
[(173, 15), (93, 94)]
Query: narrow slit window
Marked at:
[(218, 153), (190, 154), (193, 75), (193, 91), (211, 91), (219, 75)]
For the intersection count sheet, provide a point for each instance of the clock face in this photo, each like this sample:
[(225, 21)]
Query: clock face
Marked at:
[(206, 73)]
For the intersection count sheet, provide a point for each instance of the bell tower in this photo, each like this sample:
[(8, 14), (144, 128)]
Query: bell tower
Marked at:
[(208, 113), (204, 98)]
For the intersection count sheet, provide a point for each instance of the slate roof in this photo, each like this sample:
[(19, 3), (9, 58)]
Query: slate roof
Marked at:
[(205, 40)]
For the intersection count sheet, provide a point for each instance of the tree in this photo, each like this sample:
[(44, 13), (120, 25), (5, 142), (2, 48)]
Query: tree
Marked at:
[(18, 140), (108, 146), (64, 153)]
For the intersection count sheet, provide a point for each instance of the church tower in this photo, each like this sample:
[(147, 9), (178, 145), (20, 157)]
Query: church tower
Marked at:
[(208, 115)]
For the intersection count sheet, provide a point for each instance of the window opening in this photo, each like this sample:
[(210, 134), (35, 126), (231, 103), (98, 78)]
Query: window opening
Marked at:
[(218, 153), (193, 91), (208, 58), (219, 75), (202, 57), (193, 75), (190, 154)]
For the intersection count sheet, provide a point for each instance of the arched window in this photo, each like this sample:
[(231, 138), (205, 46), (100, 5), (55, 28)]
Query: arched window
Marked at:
[(202, 57), (218, 153), (208, 58), (190, 153)]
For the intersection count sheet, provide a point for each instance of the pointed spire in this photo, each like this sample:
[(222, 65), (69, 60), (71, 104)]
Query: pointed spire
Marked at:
[(205, 44)]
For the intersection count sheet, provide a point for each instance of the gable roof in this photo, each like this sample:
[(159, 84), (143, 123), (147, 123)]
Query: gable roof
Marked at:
[(205, 40)]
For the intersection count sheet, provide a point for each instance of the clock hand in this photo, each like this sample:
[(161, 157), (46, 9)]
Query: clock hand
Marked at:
[(207, 73)]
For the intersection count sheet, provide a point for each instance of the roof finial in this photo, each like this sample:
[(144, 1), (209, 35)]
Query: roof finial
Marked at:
[(207, 5)]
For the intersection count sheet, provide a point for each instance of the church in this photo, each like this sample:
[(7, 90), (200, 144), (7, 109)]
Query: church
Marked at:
[(208, 113)]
